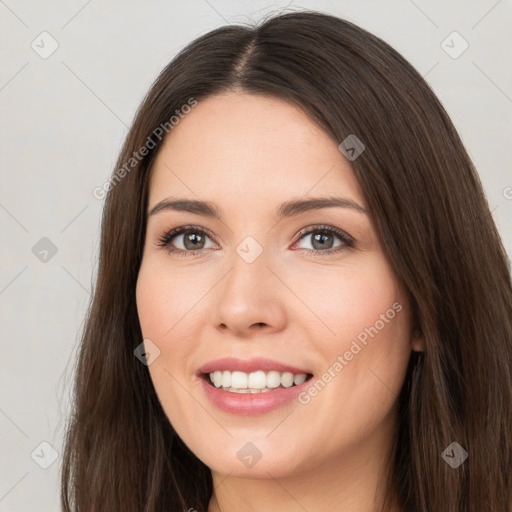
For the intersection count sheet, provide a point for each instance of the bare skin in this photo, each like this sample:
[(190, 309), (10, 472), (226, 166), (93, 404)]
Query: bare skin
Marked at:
[(248, 154)]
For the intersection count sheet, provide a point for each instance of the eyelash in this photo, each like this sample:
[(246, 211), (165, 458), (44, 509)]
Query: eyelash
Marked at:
[(166, 239)]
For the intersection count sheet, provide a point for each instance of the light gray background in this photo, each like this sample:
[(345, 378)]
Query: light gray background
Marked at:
[(62, 123)]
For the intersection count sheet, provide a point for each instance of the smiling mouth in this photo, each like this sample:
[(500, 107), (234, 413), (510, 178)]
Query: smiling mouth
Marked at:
[(254, 382)]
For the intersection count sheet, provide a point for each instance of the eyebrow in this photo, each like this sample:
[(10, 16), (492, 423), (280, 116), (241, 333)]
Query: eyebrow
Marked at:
[(287, 209)]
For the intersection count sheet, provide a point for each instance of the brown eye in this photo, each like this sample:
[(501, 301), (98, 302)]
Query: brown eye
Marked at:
[(191, 240)]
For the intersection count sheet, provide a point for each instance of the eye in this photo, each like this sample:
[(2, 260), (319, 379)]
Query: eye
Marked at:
[(322, 241), (193, 241)]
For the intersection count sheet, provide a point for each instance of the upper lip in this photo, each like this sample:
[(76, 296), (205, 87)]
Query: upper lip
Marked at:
[(248, 365)]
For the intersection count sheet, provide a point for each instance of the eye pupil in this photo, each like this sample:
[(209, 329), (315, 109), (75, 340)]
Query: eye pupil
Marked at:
[(321, 238), (192, 237)]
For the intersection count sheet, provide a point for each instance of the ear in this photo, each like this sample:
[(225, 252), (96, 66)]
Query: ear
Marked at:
[(418, 343)]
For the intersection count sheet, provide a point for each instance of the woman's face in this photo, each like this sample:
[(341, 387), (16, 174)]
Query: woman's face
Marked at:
[(244, 296)]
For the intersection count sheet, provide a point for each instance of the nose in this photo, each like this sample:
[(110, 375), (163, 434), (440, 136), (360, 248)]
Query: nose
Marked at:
[(250, 299)]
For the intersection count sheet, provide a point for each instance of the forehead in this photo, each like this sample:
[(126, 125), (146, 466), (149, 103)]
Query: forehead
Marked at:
[(250, 148)]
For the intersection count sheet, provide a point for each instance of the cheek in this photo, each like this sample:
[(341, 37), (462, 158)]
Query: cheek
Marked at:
[(169, 316), (165, 297), (377, 321), (366, 353), (347, 298), (154, 294), (162, 306), (161, 303)]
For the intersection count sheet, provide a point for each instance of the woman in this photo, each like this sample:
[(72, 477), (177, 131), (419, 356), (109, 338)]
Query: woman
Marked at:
[(302, 300)]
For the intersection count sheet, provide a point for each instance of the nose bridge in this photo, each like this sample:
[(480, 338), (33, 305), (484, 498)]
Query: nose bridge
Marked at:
[(248, 268), (247, 296)]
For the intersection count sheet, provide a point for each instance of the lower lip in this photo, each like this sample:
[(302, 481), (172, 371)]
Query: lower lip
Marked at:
[(248, 404)]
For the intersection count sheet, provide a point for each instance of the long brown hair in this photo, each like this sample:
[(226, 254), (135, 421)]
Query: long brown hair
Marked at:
[(427, 203)]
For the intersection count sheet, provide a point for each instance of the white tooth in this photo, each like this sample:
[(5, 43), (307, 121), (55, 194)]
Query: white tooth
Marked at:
[(238, 380), (287, 379), (257, 380), (226, 379), (273, 379), (217, 379), (299, 378)]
